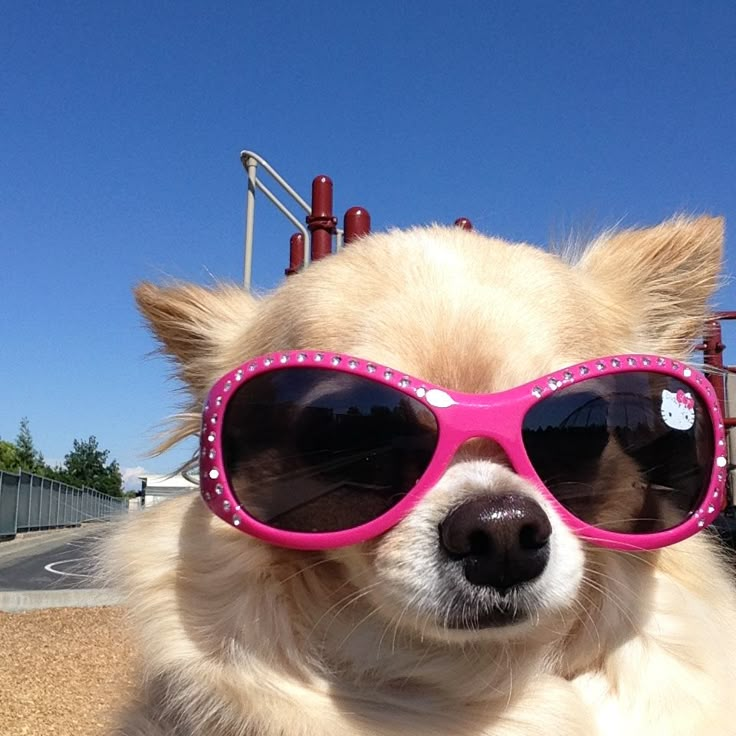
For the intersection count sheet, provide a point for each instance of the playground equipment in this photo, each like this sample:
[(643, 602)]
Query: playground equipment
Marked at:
[(723, 378), (321, 236), (310, 242)]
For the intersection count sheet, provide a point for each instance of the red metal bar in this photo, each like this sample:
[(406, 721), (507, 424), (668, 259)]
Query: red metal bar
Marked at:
[(296, 254), (464, 223), (713, 348), (357, 223), (321, 222)]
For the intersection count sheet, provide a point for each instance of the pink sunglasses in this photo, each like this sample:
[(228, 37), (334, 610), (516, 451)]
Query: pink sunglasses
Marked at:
[(313, 450)]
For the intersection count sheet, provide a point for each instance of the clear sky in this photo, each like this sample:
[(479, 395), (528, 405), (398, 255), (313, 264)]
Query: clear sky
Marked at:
[(121, 125)]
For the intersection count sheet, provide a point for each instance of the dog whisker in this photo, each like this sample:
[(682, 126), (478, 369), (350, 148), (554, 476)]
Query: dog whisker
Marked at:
[(608, 598), (340, 605), (304, 570)]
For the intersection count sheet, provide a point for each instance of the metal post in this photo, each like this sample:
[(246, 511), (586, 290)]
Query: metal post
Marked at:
[(48, 515), (713, 348), (357, 224), (296, 254), (250, 205), (321, 222), (17, 503), (30, 498)]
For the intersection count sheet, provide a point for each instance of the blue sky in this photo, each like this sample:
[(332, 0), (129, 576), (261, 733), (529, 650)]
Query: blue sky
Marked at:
[(121, 125)]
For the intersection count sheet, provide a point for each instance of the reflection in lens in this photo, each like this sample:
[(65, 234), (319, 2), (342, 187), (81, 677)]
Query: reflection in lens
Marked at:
[(313, 450), (630, 452)]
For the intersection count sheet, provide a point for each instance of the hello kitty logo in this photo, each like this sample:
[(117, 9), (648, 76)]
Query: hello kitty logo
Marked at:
[(678, 409)]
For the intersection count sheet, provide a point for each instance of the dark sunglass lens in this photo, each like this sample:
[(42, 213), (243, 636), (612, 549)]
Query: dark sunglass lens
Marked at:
[(630, 452), (314, 450)]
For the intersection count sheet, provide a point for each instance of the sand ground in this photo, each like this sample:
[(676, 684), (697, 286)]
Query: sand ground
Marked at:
[(62, 671)]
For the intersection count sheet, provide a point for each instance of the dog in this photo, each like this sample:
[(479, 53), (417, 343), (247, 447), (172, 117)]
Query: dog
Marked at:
[(399, 633)]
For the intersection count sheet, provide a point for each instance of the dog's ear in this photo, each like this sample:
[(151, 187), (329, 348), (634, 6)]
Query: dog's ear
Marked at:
[(195, 325), (660, 279)]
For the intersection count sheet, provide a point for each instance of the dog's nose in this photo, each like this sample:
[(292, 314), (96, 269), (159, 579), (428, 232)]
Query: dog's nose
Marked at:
[(502, 540)]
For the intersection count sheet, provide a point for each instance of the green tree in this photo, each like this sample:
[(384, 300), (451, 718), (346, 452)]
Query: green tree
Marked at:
[(87, 465), (29, 457), (57, 472), (9, 459)]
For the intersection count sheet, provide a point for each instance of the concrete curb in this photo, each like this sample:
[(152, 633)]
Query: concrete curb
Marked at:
[(17, 601)]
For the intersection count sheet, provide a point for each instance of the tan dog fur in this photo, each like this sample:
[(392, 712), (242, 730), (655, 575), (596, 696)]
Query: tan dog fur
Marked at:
[(241, 638)]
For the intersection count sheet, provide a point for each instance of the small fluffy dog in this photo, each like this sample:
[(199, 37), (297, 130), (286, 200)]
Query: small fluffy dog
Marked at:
[(480, 611)]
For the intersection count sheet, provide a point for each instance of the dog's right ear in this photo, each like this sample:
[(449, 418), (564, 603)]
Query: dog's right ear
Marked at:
[(195, 325)]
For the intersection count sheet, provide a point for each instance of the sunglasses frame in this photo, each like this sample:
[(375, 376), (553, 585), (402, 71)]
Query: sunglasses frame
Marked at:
[(454, 412)]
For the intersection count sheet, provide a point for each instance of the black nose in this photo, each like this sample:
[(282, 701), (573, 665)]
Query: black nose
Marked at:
[(502, 540)]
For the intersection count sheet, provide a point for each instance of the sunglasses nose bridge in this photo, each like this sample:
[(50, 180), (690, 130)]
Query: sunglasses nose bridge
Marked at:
[(474, 421)]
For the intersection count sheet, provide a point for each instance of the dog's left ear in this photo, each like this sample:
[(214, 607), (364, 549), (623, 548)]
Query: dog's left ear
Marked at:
[(659, 279)]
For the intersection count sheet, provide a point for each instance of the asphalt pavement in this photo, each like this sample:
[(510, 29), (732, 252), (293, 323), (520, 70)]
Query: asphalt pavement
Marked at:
[(52, 569)]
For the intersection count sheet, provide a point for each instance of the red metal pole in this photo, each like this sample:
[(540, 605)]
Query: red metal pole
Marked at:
[(321, 222), (296, 254), (713, 348), (357, 224), (464, 223)]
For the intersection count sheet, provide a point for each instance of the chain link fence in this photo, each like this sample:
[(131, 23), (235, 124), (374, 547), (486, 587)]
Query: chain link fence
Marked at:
[(32, 503)]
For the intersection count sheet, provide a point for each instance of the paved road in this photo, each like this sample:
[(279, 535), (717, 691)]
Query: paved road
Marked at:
[(62, 561)]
